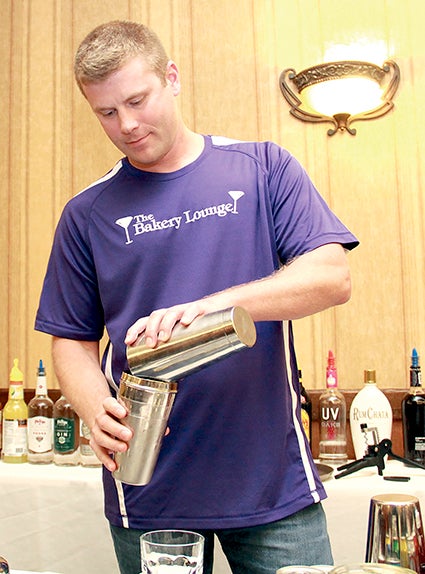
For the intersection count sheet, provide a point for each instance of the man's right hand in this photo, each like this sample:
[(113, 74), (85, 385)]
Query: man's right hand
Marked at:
[(109, 434)]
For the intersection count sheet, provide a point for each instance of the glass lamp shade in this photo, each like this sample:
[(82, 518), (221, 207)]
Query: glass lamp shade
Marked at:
[(341, 92), (348, 95)]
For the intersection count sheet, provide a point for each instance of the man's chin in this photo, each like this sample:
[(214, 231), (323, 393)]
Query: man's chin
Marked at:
[(145, 163)]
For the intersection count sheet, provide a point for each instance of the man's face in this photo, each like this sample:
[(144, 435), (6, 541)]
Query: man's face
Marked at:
[(139, 113)]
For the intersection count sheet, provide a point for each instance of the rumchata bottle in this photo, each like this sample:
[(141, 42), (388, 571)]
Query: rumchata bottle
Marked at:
[(371, 412)]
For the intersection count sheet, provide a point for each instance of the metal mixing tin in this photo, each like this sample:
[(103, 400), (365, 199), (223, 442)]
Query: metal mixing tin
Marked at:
[(207, 339)]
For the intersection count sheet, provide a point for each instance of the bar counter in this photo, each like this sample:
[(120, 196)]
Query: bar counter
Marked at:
[(51, 518)]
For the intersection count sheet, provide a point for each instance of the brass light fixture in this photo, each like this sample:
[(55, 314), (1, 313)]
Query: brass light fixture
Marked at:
[(341, 92)]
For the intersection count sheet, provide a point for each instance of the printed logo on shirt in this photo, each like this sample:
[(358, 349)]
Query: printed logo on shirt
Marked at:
[(134, 225)]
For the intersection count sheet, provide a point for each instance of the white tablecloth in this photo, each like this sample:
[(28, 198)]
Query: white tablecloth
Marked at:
[(348, 502), (347, 507), (51, 518)]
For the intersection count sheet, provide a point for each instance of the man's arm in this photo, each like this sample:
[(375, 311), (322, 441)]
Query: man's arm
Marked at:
[(311, 283), (81, 380)]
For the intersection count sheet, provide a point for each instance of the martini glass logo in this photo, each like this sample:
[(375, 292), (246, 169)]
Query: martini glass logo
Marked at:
[(124, 222), (235, 195)]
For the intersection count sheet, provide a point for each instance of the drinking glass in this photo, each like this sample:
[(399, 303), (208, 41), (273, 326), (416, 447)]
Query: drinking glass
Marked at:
[(172, 551), (302, 570)]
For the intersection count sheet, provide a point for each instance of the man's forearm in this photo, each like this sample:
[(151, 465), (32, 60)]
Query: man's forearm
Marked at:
[(314, 282), (81, 380)]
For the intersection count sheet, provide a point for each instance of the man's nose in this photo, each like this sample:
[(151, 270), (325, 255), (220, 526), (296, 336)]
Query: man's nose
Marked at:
[(128, 122)]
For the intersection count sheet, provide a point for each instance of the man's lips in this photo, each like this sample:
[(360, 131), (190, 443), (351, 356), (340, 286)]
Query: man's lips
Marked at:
[(139, 140)]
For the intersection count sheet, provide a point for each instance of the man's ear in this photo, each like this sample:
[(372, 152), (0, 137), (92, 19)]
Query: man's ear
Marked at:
[(172, 77)]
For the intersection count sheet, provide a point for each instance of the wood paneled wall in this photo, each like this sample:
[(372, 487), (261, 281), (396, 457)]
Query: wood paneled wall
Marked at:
[(230, 55)]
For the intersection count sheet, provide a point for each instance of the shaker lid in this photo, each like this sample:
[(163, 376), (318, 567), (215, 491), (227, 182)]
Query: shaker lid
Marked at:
[(243, 326)]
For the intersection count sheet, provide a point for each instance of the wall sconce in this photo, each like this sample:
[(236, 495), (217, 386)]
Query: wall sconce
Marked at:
[(341, 92)]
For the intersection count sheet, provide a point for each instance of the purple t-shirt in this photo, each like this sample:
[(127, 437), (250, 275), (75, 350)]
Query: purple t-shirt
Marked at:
[(135, 241)]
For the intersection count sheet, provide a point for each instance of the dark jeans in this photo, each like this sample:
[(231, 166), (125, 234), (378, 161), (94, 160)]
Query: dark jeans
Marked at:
[(298, 539)]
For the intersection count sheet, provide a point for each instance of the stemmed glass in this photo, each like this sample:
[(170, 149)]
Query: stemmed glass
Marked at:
[(124, 222)]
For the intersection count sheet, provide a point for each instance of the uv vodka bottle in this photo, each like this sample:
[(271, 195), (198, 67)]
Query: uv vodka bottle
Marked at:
[(332, 418)]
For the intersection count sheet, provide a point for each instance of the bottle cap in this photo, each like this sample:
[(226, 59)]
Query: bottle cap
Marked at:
[(331, 372), (370, 376), (16, 375), (41, 371), (415, 358)]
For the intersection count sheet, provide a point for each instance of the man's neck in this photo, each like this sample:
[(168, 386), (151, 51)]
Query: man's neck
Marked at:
[(187, 148)]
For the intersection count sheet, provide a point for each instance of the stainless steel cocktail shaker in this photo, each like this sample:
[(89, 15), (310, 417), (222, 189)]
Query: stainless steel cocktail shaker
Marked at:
[(148, 403), (148, 392), (207, 339)]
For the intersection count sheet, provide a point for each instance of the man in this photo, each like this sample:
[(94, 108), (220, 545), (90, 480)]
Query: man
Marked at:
[(184, 225)]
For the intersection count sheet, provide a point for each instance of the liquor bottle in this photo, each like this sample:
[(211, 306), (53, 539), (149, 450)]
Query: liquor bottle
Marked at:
[(370, 412), (40, 422), (1, 426), (87, 455), (413, 414), (332, 413), (15, 418), (306, 408), (65, 433)]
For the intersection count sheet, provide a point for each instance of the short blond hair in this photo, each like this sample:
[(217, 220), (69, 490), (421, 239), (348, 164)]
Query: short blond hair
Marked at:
[(106, 48)]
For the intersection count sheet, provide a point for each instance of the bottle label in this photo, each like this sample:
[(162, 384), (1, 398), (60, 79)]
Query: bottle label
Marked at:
[(40, 434), (330, 414), (41, 387), (305, 420), (64, 435), (420, 443), (16, 391), (370, 413), (85, 448), (14, 437), (330, 424)]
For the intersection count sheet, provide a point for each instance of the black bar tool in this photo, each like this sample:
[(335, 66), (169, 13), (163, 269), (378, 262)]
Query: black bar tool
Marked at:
[(375, 457)]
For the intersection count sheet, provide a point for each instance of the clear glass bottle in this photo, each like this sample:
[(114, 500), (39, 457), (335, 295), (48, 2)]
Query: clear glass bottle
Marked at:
[(413, 414), (15, 419), (333, 418), (40, 422), (306, 408), (87, 455), (65, 433), (370, 414)]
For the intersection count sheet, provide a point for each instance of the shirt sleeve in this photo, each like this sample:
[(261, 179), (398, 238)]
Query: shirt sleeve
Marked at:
[(302, 219), (70, 305)]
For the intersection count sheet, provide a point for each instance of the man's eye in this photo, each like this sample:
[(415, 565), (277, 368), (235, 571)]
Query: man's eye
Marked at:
[(107, 113)]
